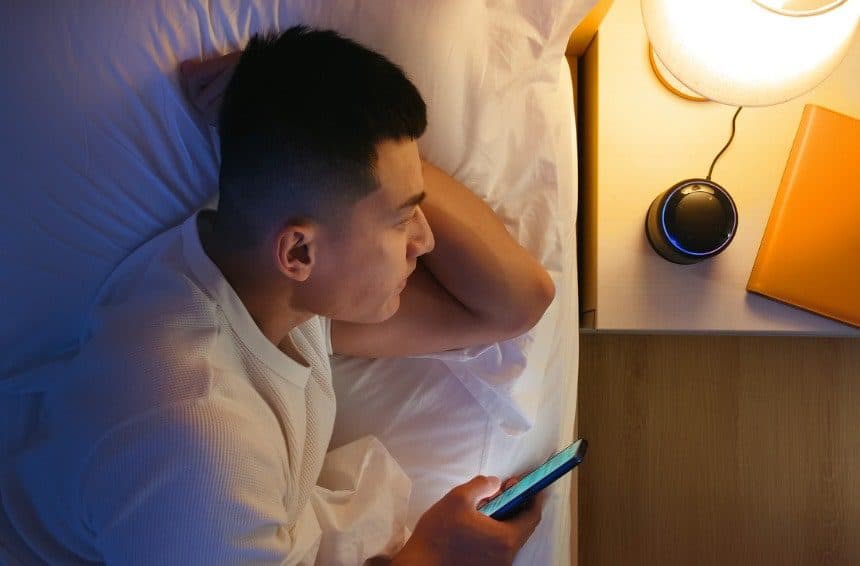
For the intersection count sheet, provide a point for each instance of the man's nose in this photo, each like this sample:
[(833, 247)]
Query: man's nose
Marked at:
[(423, 240)]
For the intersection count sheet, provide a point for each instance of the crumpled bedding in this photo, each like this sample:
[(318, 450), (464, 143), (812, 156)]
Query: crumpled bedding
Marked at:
[(102, 152)]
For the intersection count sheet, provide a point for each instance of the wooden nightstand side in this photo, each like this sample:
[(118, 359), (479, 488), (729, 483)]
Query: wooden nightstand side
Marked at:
[(587, 125)]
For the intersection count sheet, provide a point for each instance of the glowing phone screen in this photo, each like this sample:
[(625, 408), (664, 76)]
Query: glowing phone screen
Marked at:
[(534, 477)]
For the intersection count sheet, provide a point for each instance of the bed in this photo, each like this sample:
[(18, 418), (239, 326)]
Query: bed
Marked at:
[(103, 152)]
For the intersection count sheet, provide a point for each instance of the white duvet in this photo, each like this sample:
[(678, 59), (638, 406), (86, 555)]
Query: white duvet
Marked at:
[(101, 152)]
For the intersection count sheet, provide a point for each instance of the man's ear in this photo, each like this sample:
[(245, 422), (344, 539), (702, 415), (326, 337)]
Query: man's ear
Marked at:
[(295, 250)]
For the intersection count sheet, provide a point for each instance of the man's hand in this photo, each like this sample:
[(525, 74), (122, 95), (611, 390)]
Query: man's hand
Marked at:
[(453, 531), (205, 81)]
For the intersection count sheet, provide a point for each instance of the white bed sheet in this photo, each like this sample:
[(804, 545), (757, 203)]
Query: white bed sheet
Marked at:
[(101, 152), (442, 421)]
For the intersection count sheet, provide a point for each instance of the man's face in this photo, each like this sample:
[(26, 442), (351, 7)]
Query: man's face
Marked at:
[(358, 276)]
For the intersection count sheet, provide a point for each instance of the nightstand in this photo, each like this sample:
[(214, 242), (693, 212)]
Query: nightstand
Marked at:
[(637, 140)]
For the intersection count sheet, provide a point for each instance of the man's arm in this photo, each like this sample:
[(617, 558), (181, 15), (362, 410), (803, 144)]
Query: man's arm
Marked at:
[(477, 261), (191, 483), (477, 286)]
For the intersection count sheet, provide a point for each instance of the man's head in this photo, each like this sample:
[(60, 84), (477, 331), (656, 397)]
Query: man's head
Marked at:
[(318, 154)]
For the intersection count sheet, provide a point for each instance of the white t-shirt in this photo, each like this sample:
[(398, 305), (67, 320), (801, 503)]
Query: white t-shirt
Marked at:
[(181, 435)]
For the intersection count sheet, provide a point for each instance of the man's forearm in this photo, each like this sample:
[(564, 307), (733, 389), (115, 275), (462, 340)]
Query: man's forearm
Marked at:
[(476, 259)]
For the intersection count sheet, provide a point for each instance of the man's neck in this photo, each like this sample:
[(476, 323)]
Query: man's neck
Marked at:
[(270, 309)]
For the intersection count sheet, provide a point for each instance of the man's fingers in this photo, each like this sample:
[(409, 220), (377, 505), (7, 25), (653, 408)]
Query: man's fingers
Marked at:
[(205, 81), (193, 79), (509, 483), (206, 70), (213, 92), (527, 518), (478, 488), (498, 492)]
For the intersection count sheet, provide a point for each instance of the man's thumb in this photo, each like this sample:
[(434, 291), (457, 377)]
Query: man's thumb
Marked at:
[(480, 487)]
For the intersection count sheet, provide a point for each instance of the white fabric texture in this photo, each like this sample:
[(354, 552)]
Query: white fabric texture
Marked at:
[(181, 435), (103, 152)]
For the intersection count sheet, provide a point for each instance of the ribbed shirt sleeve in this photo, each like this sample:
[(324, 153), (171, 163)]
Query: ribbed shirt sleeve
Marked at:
[(194, 483), (326, 332)]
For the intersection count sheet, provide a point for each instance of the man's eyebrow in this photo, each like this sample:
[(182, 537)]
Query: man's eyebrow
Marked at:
[(413, 201)]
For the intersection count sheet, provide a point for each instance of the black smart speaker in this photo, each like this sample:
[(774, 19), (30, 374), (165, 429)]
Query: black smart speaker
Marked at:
[(691, 221)]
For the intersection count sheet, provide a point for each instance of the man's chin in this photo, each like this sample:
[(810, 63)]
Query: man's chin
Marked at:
[(385, 312), (391, 308)]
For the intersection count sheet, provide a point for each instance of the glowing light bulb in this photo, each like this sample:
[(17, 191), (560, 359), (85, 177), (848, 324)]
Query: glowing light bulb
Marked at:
[(750, 52)]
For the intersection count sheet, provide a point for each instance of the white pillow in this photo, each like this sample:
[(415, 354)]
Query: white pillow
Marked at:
[(102, 150)]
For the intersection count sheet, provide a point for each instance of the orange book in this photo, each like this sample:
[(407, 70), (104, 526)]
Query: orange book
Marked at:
[(809, 256)]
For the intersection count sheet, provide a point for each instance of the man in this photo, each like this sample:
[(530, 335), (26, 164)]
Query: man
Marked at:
[(193, 425)]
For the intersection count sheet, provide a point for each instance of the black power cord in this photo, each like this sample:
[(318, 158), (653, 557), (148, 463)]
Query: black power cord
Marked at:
[(725, 147)]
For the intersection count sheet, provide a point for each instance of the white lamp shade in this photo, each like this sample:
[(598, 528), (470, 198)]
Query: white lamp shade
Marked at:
[(740, 53)]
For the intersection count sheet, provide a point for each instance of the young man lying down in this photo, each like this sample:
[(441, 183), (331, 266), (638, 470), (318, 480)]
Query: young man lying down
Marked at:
[(193, 426)]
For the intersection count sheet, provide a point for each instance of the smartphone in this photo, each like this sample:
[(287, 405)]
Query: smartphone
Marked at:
[(509, 501)]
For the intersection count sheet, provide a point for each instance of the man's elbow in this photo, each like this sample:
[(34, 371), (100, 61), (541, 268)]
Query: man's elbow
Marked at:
[(532, 310)]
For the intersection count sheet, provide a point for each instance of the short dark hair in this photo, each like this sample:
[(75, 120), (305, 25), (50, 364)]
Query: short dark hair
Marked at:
[(299, 125)]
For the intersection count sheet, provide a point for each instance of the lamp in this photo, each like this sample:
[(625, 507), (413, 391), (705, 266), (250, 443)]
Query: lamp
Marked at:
[(740, 53)]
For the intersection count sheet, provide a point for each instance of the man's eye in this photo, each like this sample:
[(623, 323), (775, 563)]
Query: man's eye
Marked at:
[(408, 218)]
